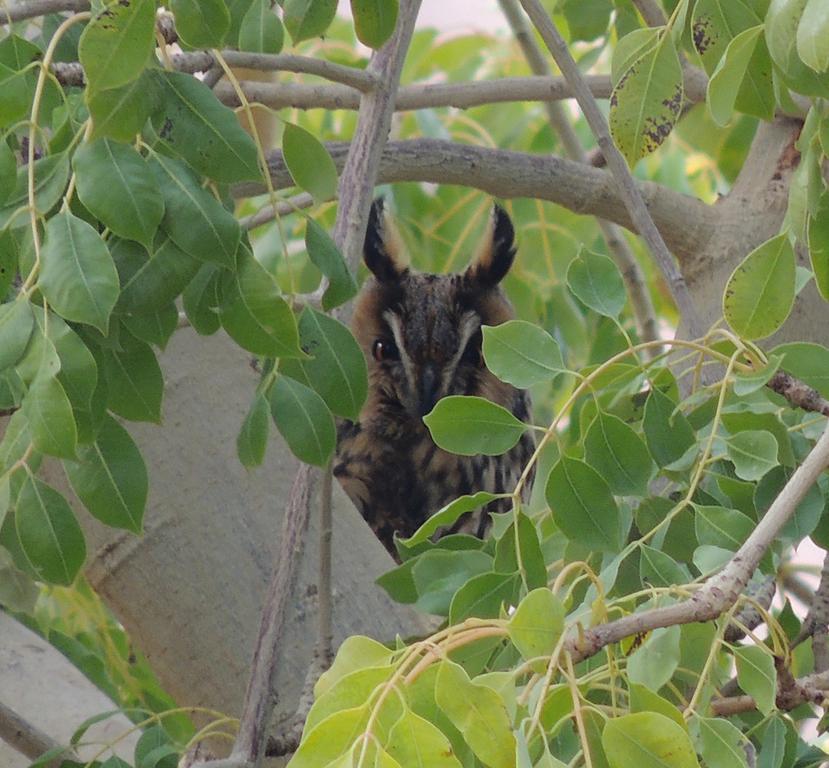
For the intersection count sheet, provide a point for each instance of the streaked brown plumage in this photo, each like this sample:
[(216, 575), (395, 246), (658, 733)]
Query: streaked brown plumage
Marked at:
[(421, 335)]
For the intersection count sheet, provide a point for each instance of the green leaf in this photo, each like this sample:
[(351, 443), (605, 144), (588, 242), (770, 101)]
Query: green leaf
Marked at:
[(117, 44), (659, 569), (753, 453), (110, 477), (16, 323), (818, 237), (50, 418), (643, 699), (415, 743), (350, 691), (813, 35), (8, 171), (536, 626), (757, 675), (439, 573), (134, 380), (254, 313), (760, 292), (668, 433), (195, 220), (336, 369), (782, 22), (646, 102), (654, 663), (521, 353), (325, 255), (16, 95), (721, 527), (120, 113), (201, 300), (720, 743), (195, 125), (807, 513), (596, 281), (201, 23), (77, 274), (724, 85), (356, 652), (331, 739), (630, 48), (473, 425), (51, 177), (483, 596), (374, 20), (48, 533), (154, 328), (647, 740), (308, 161), (519, 551), (808, 362), (116, 185), (478, 713), (447, 515), (746, 383), (150, 283), (773, 748), (253, 437), (261, 30), (305, 19), (619, 455), (583, 506), (304, 420)]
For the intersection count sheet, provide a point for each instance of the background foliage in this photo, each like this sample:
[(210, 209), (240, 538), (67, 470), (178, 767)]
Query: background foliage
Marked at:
[(119, 224)]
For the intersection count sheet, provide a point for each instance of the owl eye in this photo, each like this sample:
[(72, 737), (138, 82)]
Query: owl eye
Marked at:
[(472, 355), (383, 349)]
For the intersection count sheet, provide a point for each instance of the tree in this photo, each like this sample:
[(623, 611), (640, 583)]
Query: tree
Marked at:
[(626, 613)]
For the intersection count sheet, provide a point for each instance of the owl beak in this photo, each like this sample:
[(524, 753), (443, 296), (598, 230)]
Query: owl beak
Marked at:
[(429, 387)]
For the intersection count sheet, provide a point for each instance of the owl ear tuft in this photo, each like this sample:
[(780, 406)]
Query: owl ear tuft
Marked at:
[(496, 253), (383, 250)]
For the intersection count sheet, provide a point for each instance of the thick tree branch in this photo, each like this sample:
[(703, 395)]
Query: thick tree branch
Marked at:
[(28, 9), (637, 289), (616, 163), (687, 222)]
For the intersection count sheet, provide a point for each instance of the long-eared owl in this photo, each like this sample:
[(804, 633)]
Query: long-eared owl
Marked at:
[(421, 335)]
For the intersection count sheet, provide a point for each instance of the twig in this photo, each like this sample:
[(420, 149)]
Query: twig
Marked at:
[(798, 393), (637, 288), (200, 61), (324, 593), (791, 693), (268, 213), (723, 590), (688, 223), (261, 696), (27, 738), (616, 163), (816, 623)]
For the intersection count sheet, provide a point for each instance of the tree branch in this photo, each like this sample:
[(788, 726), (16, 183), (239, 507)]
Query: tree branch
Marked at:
[(687, 222), (261, 696), (28, 9), (616, 163), (637, 289), (28, 739), (723, 590)]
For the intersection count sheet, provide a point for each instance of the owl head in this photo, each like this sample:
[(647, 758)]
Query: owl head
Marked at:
[(420, 332)]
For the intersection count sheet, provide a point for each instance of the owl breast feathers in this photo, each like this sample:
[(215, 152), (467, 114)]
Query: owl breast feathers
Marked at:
[(421, 335)]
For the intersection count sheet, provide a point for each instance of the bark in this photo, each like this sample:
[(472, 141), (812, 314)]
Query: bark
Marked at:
[(190, 590)]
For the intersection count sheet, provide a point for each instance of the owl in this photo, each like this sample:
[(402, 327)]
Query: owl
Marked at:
[(421, 336)]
